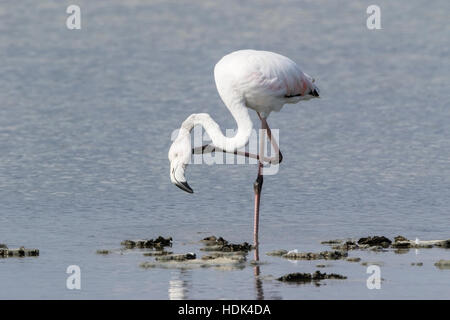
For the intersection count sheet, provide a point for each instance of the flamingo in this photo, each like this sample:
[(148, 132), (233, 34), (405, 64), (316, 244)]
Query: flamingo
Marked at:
[(246, 79)]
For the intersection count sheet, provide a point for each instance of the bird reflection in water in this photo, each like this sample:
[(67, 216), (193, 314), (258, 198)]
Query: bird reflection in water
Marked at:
[(256, 272), (179, 285)]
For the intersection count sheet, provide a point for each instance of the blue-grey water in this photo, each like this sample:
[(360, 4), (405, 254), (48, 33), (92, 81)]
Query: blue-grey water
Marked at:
[(86, 118)]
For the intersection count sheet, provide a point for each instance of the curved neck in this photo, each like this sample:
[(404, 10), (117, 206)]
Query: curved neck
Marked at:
[(230, 144)]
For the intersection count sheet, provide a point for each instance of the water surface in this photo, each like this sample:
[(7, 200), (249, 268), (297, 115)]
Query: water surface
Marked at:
[(86, 118)]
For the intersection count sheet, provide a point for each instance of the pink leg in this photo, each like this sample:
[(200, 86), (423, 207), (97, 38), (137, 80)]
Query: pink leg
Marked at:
[(265, 125), (270, 160), (257, 187)]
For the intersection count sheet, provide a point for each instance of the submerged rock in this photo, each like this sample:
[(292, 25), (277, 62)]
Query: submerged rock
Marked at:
[(157, 243), (308, 277), (231, 255), (376, 241), (277, 253), (176, 257), (369, 243), (103, 251), (380, 243), (325, 255), (400, 242), (443, 264), (400, 238), (348, 245), (323, 265), (401, 250), (157, 253), (377, 248), (20, 252), (374, 263), (211, 240), (222, 263), (441, 243), (403, 243), (335, 241), (354, 259), (220, 244)]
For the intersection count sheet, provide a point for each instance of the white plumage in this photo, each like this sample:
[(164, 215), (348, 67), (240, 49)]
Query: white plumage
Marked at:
[(266, 80), (260, 80)]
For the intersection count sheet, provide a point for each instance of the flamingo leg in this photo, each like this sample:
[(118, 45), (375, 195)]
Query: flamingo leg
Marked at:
[(270, 160), (209, 149), (265, 125), (257, 185)]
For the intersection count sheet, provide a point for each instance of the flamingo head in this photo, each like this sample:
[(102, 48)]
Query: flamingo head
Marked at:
[(179, 157)]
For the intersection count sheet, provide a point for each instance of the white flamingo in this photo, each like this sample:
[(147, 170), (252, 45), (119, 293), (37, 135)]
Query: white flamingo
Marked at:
[(260, 80)]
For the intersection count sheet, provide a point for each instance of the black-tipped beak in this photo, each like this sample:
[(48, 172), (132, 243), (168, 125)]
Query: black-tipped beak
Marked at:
[(184, 186)]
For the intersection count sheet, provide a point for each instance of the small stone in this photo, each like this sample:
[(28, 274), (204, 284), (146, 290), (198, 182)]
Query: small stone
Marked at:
[(183, 262), (162, 242), (443, 264), (400, 239), (336, 241), (212, 248), (375, 263), (320, 276), (325, 255), (443, 244), (375, 241), (210, 239), (377, 248), (128, 243), (401, 250), (423, 245), (102, 251), (177, 257), (308, 277), (20, 252), (230, 255), (156, 253), (220, 244), (354, 259), (277, 253), (159, 242), (148, 265), (190, 256), (296, 277), (402, 244), (348, 245)]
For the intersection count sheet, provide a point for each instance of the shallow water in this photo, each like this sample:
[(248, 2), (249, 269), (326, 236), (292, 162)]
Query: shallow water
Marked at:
[(86, 118)]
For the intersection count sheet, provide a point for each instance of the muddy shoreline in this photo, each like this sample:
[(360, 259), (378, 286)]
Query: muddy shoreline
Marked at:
[(215, 251)]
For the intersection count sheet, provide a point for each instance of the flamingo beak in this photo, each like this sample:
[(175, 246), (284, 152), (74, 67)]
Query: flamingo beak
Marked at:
[(178, 179), (184, 186)]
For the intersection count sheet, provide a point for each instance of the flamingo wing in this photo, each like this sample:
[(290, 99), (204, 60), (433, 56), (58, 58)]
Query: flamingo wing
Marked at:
[(277, 74), (266, 79)]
